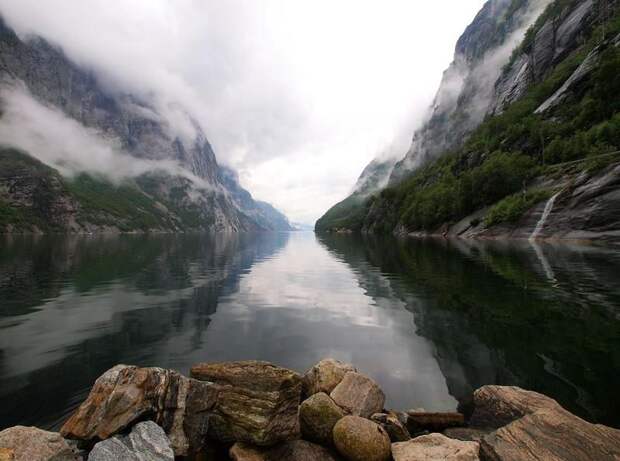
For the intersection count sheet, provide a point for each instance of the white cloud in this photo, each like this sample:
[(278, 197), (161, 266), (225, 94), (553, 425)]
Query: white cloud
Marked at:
[(298, 96), (63, 143)]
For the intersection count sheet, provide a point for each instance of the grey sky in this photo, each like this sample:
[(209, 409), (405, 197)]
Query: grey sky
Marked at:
[(297, 95)]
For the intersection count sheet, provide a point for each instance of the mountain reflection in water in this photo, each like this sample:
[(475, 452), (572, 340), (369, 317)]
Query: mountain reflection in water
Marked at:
[(429, 320)]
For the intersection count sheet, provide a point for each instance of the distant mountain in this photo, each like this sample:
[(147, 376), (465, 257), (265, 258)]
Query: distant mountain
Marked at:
[(198, 195), (522, 137)]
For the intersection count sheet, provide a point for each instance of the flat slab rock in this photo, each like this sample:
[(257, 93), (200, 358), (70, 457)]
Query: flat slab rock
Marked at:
[(20, 443), (146, 442), (126, 394), (257, 402), (538, 428), (418, 421), (435, 447), (358, 395), (296, 450)]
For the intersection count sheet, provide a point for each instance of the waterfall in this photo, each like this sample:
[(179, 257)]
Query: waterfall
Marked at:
[(541, 223)]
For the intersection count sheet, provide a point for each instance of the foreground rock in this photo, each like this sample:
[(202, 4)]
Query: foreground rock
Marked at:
[(296, 450), (392, 425), (146, 442), (125, 395), (257, 402), (359, 439), (358, 395), (318, 415), (435, 447), (418, 421), (325, 376), (22, 443), (539, 428), (496, 406)]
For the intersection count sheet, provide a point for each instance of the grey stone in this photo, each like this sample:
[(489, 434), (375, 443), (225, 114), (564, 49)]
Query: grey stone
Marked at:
[(146, 442)]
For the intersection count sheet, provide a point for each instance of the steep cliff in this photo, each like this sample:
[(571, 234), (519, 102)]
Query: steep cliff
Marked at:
[(551, 130), (466, 90), (464, 96), (186, 186)]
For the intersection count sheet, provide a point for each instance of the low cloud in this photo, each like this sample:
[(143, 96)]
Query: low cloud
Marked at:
[(68, 146), (297, 96)]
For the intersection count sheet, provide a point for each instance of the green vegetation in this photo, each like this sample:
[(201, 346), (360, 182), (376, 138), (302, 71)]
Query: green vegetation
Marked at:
[(123, 205), (511, 208), (347, 214), (503, 155), (47, 201)]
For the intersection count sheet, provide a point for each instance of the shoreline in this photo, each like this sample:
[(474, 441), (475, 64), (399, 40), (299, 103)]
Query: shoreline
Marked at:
[(257, 411)]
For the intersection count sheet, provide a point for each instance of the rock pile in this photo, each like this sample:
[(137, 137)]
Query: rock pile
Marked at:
[(256, 411)]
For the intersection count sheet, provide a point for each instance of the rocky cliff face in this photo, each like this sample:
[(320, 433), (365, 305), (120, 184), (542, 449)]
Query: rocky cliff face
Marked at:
[(466, 90), (559, 31), (549, 126), (138, 129)]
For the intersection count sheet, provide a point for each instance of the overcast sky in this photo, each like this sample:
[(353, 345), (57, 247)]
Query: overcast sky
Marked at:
[(297, 95)]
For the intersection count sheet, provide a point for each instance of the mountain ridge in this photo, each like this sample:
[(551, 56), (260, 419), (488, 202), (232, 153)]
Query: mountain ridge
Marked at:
[(141, 132), (556, 134)]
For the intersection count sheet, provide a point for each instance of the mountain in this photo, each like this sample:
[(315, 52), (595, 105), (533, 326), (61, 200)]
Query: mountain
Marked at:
[(178, 184), (524, 144)]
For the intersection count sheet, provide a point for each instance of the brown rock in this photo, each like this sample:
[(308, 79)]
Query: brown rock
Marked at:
[(21, 443), (496, 406), (532, 426), (125, 395), (435, 447), (318, 415), (243, 452), (324, 376), (392, 425), (359, 439), (257, 402), (300, 450), (467, 434), (358, 395), (434, 422), (7, 454), (295, 450), (552, 434)]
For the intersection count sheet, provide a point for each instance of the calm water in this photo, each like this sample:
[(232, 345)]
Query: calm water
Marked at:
[(429, 320)]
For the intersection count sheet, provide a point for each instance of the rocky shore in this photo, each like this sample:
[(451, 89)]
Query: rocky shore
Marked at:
[(256, 411)]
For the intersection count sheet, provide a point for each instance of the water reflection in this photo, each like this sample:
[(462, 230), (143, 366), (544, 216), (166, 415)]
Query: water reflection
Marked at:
[(542, 317), (431, 321)]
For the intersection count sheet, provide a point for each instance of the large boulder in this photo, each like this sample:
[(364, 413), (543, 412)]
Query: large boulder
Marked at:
[(257, 402), (435, 447), (125, 395), (358, 395), (324, 376), (295, 450), (392, 425), (496, 406), (22, 443), (146, 442), (359, 439), (536, 427), (318, 415)]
